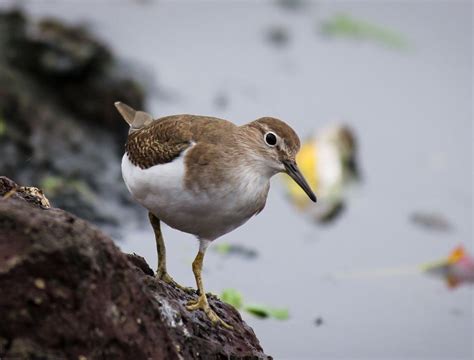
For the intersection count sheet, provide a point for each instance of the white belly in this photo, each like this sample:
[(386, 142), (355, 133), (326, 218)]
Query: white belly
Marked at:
[(161, 190)]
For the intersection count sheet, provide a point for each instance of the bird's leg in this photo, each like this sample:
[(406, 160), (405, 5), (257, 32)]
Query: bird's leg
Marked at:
[(202, 303), (161, 272)]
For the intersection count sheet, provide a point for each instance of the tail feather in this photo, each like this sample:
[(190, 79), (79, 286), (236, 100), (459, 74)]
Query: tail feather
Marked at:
[(136, 119)]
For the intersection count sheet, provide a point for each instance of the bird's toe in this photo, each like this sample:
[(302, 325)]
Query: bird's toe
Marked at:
[(202, 304), (164, 276)]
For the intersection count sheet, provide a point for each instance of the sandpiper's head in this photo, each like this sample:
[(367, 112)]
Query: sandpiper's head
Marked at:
[(275, 145)]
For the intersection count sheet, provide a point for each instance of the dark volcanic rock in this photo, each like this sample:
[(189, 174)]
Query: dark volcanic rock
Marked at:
[(59, 129), (67, 292), (69, 61)]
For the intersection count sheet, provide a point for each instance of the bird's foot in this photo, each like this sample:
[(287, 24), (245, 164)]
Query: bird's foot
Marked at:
[(202, 304), (164, 276)]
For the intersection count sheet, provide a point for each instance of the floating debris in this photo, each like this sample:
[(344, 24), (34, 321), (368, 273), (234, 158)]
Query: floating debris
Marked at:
[(328, 162), (232, 297), (221, 101), (278, 36), (432, 221), (235, 298), (346, 26), (263, 312), (233, 249), (292, 5), (457, 269), (318, 321)]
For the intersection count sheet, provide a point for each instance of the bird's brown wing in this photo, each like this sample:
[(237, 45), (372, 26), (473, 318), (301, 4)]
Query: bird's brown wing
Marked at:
[(165, 139)]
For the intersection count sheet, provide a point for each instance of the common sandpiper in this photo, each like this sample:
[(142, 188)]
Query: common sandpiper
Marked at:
[(204, 176)]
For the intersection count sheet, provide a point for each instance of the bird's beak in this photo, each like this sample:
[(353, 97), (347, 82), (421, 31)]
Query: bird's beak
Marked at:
[(295, 174)]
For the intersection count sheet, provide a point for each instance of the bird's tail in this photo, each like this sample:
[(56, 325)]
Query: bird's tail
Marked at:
[(136, 119)]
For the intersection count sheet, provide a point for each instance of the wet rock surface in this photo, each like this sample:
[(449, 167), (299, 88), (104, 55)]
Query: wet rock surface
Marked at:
[(59, 129), (69, 293)]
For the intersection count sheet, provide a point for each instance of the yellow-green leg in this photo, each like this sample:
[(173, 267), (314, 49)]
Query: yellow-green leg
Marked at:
[(161, 272), (202, 303)]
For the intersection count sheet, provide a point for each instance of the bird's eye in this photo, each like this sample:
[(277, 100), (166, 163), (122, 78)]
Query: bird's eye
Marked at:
[(270, 138)]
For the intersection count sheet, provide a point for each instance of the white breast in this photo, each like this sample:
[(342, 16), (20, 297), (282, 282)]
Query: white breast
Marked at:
[(161, 190)]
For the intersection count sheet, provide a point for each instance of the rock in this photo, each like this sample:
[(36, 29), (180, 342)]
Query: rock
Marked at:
[(68, 60), (69, 293), (58, 124), (32, 195)]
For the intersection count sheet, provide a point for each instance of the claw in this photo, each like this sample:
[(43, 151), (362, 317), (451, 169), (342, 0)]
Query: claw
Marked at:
[(202, 304)]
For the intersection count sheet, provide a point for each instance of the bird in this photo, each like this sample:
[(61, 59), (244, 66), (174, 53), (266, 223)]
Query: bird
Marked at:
[(204, 176)]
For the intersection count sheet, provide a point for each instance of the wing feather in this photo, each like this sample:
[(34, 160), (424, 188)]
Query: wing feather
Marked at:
[(165, 139)]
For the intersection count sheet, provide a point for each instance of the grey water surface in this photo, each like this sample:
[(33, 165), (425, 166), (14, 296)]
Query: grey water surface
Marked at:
[(411, 110)]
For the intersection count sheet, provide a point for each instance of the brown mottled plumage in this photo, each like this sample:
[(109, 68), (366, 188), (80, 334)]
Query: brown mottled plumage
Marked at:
[(164, 139)]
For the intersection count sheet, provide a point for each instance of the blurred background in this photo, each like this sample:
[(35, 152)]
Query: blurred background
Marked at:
[(380, 93)]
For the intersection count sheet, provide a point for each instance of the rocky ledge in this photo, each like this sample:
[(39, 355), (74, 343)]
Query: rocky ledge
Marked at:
[(67, 292)]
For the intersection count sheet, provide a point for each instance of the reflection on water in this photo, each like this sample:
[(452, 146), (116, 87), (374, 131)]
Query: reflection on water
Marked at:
[(412, 115)]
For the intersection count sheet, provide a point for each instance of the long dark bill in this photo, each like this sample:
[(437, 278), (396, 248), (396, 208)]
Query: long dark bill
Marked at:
[(294, 172)]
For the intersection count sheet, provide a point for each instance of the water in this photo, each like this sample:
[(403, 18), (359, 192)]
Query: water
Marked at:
[(412, 112)]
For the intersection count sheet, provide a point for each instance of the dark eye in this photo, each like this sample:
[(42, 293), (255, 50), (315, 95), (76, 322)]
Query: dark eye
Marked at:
[(270, 138)]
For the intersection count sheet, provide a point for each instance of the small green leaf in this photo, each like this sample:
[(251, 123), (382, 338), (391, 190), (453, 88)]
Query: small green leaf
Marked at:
[(344, 25), (235, 298), (257, 310), (280, 314), (222, 248), (232, 297), (263, 311)]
